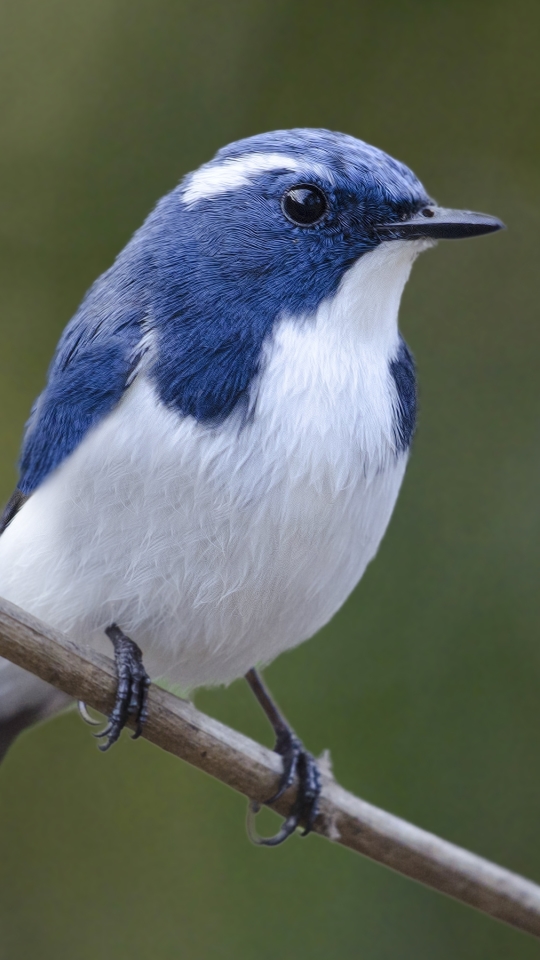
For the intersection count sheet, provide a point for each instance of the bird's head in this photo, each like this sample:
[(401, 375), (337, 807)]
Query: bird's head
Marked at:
[(270, 228)]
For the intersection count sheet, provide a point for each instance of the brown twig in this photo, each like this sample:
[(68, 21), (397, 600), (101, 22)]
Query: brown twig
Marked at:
[(176, 726)]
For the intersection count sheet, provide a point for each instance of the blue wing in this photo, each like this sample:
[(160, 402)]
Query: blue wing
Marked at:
[(88, 375)]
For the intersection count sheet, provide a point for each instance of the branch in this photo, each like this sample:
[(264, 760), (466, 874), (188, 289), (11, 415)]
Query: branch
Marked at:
[(176, 726)]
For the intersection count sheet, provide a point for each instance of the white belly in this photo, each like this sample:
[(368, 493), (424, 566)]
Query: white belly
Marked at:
[(212, 565)]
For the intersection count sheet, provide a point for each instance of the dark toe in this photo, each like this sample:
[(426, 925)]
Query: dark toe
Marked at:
[(291, 749), (309, 791), (296, 760), (138, 706)]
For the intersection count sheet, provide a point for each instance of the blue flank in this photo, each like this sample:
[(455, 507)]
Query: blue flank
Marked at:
[(210, 281), (403, 371)]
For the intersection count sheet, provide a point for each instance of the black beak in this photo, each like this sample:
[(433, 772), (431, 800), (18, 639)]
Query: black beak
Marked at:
[(440, 224)]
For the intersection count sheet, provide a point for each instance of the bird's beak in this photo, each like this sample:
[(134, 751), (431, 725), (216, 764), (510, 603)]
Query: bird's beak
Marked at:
[(439, 223)]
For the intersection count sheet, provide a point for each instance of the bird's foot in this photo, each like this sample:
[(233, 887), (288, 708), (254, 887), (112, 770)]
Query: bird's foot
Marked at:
[(131, 692), (296, 761)]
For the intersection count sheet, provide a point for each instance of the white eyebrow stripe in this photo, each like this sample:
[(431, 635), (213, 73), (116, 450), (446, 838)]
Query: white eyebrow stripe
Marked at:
[(213, 179)]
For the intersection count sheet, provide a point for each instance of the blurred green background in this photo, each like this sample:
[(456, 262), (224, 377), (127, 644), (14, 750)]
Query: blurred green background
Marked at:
[(426, 685)]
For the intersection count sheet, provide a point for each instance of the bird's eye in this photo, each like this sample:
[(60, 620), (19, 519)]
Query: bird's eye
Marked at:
[(304, 204)]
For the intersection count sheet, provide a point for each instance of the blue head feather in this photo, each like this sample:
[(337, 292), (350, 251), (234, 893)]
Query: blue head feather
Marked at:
[(209, 277)]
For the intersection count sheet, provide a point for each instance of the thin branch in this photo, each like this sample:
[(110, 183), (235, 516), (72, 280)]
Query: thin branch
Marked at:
[(176, 726)]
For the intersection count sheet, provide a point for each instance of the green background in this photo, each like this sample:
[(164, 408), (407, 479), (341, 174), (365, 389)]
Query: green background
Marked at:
[(425, 686)]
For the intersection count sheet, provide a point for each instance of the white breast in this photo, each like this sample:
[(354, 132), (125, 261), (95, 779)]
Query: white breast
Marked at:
[(217, 548)]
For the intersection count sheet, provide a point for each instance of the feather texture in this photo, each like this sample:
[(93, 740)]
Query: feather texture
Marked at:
[(217, 547), (205, 280)]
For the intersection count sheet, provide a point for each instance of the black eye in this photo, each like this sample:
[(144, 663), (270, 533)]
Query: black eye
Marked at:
[(304, 204)]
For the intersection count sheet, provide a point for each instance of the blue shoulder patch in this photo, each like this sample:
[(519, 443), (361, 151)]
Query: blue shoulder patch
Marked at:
[(88, 374), (402, 369)]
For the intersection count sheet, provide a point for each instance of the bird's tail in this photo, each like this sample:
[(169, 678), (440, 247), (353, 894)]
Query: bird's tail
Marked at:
[(24, 700)]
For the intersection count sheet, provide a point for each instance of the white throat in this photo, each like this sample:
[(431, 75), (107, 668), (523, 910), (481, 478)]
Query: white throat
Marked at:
[(326, 384), (366, 305)]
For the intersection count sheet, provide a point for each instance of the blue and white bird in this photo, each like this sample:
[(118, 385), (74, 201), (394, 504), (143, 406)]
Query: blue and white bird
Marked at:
[(225, 426)]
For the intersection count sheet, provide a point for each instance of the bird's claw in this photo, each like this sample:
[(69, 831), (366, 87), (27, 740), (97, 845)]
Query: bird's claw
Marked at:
[(132, 689), (83, 711), (297, 761)]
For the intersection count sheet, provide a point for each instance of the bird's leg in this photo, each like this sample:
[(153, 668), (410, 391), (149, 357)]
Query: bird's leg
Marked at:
[(296, 761), (132, 689)]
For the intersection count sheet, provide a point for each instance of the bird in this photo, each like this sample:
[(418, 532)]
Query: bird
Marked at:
[(224, 429)]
